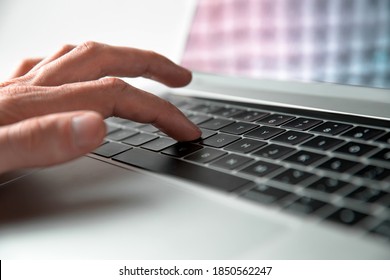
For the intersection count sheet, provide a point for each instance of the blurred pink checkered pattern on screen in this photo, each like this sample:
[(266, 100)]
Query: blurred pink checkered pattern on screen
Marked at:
[(342, 41)]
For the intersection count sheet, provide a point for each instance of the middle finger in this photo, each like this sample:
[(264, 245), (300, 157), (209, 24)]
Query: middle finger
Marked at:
[(91, 61)]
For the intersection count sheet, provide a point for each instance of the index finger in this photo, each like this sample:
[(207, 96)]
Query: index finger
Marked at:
[(109, 97), (91, 61)]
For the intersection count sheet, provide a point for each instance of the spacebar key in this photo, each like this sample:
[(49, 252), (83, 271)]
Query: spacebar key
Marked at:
[(172, 166)]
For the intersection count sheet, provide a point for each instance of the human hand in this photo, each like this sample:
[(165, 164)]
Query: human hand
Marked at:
[(52, 110)]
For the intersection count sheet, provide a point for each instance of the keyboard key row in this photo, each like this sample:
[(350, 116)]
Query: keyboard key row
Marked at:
[(172, 166), (226, 161), (291, 202), (171, 147), (246, 145), (371, 195), (301, 123)]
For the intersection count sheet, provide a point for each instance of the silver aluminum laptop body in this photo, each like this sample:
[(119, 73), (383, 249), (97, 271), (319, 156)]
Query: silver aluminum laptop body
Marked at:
[(98, 208)]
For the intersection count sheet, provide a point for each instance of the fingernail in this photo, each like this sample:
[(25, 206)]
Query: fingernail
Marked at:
[(81, 130)]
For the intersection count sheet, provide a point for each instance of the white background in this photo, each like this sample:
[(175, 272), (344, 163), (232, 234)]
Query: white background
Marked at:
[(40, 27)]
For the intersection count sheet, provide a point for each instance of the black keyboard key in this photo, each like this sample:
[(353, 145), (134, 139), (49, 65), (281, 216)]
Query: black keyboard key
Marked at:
[(121, 134), (149, 128), (159, 144), (207, 133), (383, 155), (182, 149), (139, 139), (110, 149), (373, 172), (205, 155), (331, 128), (383, 229), (274, 151), (250, 116), (206, 108), (302, 123), (338, 165), (346, 216), (198, 119), (130, 124), (172, 166), (305, 205), (231, 161), (179, 103), (275, 119), (245, 145), (238, 128), (292, 137), (216, 124), (220, 140), (355, 149), (363, 133), (265, 194), (115, 120), (261, 168), (292, 176), (384, 139), (323, 143), (111, 128), (228, 112), (264, 132), (365, 194), (186, 105), (328, 185), (304, 157)]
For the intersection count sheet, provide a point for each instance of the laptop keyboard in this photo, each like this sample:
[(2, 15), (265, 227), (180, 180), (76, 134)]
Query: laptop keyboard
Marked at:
[(332, 167)]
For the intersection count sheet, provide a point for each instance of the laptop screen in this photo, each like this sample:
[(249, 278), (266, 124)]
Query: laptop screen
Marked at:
[(336, 41)]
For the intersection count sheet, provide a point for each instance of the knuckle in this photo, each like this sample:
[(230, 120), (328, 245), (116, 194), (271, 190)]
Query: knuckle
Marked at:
[(32, 129), (26, 62), (29, 135), (115, 84), (66, 48), (16, 91), (89, 47), (11, 99), (39, 77), (117, 89), (152, 54), (23, 134)]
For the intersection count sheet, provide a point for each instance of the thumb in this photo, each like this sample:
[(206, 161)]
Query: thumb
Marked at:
[(50, 139)]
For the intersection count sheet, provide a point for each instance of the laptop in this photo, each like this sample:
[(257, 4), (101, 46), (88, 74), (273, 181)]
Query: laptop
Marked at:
[(293, 163)]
